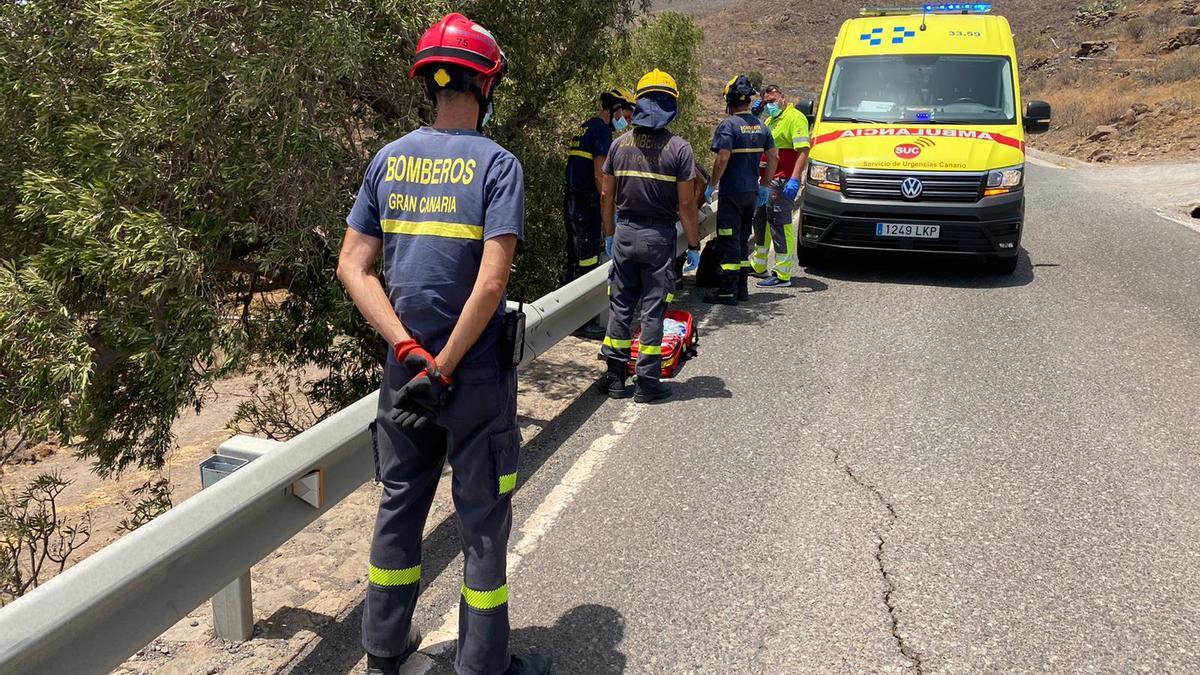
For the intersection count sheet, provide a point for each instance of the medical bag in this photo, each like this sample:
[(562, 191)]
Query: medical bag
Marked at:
[(678, 343)]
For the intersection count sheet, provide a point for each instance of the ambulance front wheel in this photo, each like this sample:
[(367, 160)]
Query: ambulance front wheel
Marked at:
[(1002, 265)]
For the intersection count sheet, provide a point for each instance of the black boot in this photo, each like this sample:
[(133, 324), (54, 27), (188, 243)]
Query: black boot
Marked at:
[(390, 665), (614, 382), (726, 293), (649, 391), (530, 664), (743, 285)]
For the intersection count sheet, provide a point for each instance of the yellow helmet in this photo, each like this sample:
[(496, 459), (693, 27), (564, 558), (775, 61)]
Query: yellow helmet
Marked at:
[(657, 80), (617, 97)]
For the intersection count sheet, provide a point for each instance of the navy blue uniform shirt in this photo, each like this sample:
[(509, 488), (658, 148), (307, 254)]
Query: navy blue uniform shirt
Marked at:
[(592, 140), (434, 196), (746, 137)]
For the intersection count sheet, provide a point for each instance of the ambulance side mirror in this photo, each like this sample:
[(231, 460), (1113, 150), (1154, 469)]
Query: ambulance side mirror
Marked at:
[(1037, 117), (806, 108)]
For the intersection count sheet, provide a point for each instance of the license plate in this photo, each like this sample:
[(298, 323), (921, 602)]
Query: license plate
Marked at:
[(906, 230)]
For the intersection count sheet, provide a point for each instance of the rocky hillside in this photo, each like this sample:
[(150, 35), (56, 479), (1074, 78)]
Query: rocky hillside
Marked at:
[(1123, 77)]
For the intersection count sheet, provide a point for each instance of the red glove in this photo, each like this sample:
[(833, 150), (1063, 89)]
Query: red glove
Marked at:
[(410, 346), (412, 354)]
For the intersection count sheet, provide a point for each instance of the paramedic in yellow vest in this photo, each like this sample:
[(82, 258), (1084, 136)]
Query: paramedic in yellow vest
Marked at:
[(773, 222)]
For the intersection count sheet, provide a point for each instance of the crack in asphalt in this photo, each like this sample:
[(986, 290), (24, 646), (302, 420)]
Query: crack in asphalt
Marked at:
[(889, 584)]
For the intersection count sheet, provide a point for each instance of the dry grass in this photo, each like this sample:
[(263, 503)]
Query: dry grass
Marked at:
[(1135, 29), (1182, 66)]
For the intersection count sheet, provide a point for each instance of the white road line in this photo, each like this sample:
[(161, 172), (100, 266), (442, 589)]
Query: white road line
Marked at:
[(535, 527)]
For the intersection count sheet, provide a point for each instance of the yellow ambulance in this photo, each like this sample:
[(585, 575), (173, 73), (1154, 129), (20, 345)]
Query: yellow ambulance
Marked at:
[(918, 139)]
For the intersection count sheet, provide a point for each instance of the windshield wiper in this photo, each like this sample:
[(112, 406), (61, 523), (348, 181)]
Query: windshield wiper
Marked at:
[(855, 120)]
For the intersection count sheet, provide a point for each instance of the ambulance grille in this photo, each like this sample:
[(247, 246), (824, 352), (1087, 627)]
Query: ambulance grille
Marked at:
[(937, 187)]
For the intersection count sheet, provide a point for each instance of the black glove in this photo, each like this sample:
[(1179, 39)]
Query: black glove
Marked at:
[(423, 397)]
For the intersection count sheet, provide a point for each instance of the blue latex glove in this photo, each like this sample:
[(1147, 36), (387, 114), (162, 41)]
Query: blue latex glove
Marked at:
[(608, 246), (693, 261), (791, 189), (763, 196), (708, 193)]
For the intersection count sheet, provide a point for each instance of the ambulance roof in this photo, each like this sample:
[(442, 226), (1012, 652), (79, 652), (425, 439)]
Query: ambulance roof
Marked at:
[(943, 34)]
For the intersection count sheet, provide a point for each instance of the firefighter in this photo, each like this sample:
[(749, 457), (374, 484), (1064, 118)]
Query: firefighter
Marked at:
[(649, 179), (773, 224), (445, 207), (739, 140), (581, 199)]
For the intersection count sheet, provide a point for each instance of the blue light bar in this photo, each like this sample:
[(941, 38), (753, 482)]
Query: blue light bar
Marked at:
[(960, 8), (940, 8)]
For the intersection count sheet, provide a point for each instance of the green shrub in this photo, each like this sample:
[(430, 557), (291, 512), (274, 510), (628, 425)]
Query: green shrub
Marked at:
[(173, 195)]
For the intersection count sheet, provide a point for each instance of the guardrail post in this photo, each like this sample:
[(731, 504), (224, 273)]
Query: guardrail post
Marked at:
[(233, 606), (233, 611)]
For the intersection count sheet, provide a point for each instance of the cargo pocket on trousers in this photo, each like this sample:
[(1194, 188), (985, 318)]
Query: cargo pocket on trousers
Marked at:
[(505, 446)]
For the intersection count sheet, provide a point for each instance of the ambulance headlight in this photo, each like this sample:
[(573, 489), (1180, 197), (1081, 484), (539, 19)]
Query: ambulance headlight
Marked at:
[(1006, 178), (824, 173)]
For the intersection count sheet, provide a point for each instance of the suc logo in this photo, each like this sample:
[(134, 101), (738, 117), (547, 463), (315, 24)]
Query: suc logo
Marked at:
[(908, 150)]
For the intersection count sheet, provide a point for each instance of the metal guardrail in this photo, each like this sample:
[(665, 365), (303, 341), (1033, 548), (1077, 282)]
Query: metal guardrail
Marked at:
[(92, 617)]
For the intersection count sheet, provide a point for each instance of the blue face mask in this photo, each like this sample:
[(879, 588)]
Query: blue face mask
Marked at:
[(487, 116), (773, 110), (619, 124)]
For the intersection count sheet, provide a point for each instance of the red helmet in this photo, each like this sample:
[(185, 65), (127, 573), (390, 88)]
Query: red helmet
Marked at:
[(460, 41)]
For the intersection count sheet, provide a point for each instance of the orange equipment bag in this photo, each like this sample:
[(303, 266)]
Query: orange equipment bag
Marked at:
[(678, 344)]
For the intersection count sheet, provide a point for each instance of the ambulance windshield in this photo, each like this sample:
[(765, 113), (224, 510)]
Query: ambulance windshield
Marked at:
[(926, 89)]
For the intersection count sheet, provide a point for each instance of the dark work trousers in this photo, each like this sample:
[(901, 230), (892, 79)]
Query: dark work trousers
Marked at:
[(585, 239), (477, 431), (735, 217), (773, 227), (643, 275)]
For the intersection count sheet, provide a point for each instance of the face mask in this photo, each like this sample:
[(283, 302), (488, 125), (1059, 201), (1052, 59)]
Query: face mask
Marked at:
[(619, 124), (773, 110), (487, 116)]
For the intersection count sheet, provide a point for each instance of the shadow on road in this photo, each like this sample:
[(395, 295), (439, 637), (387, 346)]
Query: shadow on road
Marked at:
[(919, 269), (584, 640), (701, 386)]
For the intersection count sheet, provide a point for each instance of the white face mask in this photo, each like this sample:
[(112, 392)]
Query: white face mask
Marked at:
[(487, 116), (619, 124)]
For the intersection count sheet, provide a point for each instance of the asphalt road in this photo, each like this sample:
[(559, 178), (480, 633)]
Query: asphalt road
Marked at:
[(898, 465)]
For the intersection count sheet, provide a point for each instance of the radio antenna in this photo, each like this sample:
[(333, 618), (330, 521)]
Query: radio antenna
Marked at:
[(924, 11)]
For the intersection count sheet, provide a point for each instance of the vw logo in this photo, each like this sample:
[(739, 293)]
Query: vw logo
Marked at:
[(911, 188)]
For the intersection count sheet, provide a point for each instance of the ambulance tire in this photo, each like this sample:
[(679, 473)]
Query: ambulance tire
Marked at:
[(1002, 266), (807, 255)]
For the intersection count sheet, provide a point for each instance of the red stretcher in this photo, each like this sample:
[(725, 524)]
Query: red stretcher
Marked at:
[(676, 349)]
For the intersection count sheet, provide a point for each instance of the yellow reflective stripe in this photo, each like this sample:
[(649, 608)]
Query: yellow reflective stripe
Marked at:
[(508, 481), (731, 267), (404, 577), (670, 297), (617, 344), (746, 150), (725, 232), (581, 153), (746, 263), (485, 599), (650, 350), (432, 228), (647, 174), (594, 260)]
